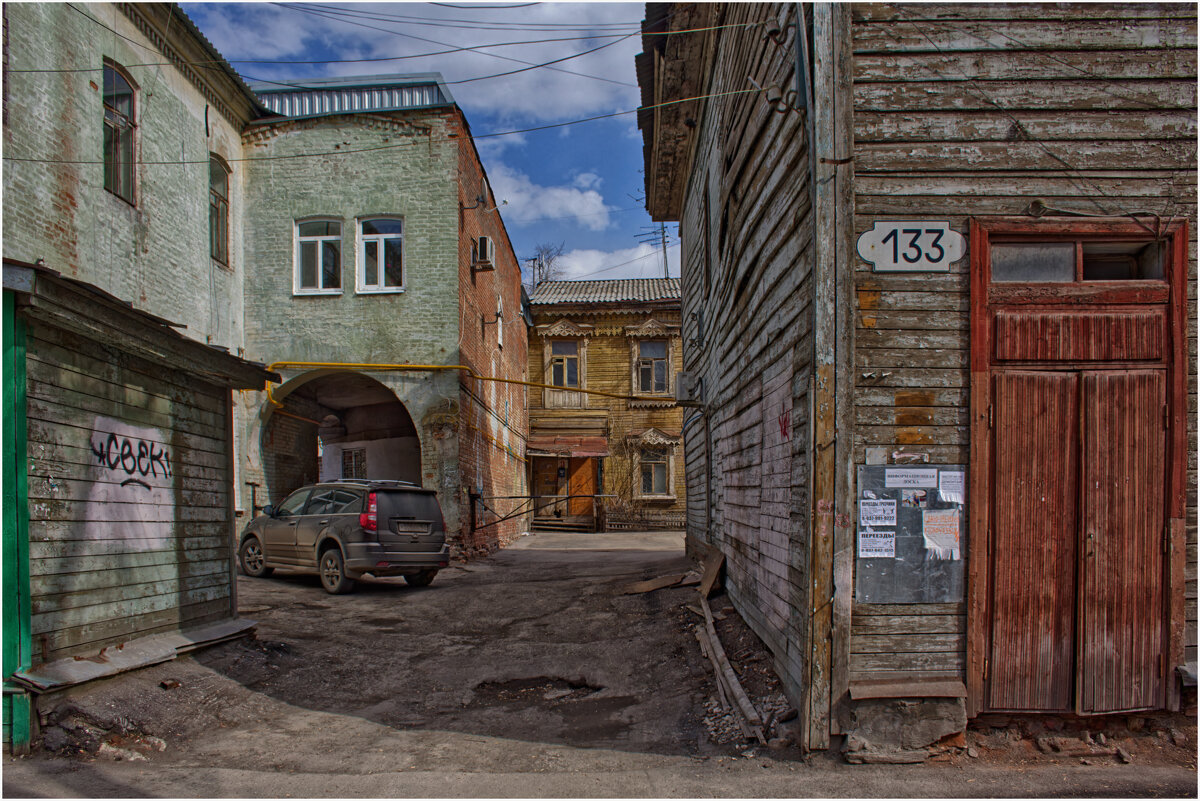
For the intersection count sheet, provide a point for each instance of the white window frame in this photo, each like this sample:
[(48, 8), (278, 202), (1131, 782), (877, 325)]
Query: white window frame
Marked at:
[(297, 240), (360, 253), (669, 453)]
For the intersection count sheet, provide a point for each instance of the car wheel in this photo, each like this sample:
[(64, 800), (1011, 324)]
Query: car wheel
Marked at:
[(254, 562), (333, 573), (422, 579)]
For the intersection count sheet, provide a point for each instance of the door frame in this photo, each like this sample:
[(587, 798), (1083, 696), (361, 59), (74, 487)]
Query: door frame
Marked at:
[(979, 545)]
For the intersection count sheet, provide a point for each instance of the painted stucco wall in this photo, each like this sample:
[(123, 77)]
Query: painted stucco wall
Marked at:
[(155, 252)]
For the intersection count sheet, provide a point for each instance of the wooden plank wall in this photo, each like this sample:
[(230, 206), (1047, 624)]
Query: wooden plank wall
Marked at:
[(137, 543), (747, 318), (609, 368), (977, 110)]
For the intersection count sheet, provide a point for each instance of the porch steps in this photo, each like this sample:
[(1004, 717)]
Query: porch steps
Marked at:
[(558, 524)]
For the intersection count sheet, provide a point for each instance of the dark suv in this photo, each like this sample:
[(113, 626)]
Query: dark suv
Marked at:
[(343, 529)]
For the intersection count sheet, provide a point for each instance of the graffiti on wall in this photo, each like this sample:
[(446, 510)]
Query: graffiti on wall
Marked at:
[(132, 490)]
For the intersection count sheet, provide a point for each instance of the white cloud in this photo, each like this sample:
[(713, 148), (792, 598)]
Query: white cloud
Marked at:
[(588, 180), (529, 203), (642, 261), (605, 81)]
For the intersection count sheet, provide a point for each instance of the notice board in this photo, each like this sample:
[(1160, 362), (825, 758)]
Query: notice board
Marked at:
[(911, 543)]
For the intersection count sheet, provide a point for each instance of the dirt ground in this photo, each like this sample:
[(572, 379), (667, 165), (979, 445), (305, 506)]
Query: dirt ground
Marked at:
[(528, 673)]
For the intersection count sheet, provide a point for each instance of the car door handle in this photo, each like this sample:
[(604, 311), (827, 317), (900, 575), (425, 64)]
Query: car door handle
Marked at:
[(323, 522)]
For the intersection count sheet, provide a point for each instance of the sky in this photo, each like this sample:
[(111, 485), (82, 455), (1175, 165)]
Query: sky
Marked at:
[(578, 185)]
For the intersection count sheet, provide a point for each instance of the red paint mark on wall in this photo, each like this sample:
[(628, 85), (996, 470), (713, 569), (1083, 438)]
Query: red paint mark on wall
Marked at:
[(785, 424)]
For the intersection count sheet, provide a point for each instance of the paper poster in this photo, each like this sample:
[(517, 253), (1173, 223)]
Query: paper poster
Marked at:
[(876, 513), (876, 544), (952, 486), (940, 530), (897, 477), (913, 499)]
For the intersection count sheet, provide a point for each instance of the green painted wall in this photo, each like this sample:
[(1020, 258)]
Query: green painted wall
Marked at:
[(17, 640)]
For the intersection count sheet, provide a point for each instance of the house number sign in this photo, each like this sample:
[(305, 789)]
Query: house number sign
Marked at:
[(911, 246)]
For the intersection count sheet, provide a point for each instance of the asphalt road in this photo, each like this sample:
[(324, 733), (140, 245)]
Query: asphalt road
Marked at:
[(526, 674)]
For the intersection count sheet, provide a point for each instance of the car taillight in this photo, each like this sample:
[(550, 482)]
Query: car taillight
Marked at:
[(370, 518)]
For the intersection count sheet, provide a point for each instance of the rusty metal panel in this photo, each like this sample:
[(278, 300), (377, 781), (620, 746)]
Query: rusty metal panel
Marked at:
[(1124, 459), (1079, 335), (1034, 533)]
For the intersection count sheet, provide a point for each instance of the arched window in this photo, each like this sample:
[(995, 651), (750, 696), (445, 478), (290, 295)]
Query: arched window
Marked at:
[(120, 121), (218, 208)]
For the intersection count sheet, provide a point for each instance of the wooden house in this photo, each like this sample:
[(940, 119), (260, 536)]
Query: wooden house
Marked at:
[(605, 451), (939, 307)]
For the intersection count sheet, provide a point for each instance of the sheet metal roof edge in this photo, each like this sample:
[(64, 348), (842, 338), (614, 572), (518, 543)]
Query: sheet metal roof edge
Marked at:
[(129, 308), (670, 291), (197, 34), (353, 82)]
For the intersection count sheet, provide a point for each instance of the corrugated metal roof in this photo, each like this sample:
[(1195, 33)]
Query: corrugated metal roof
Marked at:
[(617, 291), (355, 95)]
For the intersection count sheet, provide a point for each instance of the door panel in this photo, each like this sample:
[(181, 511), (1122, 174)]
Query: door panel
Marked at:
[(1121, 609), (546, 483), (1034, 531), (582, 482)]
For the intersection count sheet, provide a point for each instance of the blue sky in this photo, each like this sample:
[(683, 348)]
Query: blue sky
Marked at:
[(578, 185)]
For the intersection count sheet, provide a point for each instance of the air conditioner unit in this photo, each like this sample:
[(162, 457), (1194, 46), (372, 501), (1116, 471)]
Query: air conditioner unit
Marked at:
[(485, 252), (687, 390)]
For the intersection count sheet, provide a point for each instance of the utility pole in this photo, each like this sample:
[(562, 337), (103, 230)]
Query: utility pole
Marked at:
[(662, 232)]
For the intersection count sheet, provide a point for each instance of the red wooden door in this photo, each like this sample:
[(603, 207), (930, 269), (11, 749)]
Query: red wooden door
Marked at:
[(582, 483), (1032, 659), (1123, 507)]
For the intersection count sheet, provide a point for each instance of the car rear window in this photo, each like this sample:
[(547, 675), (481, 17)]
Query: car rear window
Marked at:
[(410, 505)]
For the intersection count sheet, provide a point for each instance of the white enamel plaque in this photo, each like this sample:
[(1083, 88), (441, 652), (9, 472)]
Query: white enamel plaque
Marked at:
[(911, 246)]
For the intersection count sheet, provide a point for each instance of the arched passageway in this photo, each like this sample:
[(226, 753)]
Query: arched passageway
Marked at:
[(337, 425)]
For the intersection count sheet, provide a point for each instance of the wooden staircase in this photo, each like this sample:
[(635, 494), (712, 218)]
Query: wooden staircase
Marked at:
[(567, 523)]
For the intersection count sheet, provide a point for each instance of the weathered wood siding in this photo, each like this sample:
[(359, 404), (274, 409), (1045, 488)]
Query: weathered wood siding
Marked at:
[(748, 321), (977, 110), (128, 496)]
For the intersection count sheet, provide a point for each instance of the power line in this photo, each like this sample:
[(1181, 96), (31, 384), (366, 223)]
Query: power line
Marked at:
[(318, 13), (475, 24), (422, 143), (307, 62)]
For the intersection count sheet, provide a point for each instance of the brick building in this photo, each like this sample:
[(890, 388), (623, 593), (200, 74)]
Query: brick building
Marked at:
[(160, 223), (621, 338), (371, 287)]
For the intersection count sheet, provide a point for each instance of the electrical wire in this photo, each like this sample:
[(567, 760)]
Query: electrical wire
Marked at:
[(422, 143), (318, 13), (207, 64), (438, 22)]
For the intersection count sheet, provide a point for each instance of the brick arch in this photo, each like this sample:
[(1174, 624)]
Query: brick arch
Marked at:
[(326, 412)]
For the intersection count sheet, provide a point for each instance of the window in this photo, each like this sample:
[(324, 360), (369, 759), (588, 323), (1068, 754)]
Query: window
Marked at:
[(332, 502), (354, 463), (499, 322), (318, 257), (654, 471), (119, 123), (1071, 260), (218, 209), (381, 255), (294, 503), (652, 366), (564, 363)]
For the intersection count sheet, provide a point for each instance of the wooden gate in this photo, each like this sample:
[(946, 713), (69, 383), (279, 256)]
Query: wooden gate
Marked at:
[(1077, 449)]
